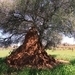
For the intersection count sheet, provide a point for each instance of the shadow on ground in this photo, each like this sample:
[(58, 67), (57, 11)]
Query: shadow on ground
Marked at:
[(5, 69), (72, 62), (53, 55), (33, 72)]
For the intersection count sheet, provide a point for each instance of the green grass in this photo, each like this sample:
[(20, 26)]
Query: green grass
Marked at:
[(63, 69), (62, 54), (4, 53)]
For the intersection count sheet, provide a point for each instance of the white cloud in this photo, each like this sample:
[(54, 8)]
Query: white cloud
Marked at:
[(68, 40)]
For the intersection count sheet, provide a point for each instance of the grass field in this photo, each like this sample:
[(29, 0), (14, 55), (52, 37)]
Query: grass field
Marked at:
[(63, 69), (62, 54), (4, 53)]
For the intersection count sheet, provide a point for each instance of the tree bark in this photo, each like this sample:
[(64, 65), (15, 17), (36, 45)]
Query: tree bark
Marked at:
[(31, 53)]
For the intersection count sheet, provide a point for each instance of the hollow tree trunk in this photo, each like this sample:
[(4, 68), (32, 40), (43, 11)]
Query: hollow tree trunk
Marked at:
[(31, 53)]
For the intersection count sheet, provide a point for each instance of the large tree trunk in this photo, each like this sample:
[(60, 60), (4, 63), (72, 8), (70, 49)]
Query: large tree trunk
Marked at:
[(31, 53)]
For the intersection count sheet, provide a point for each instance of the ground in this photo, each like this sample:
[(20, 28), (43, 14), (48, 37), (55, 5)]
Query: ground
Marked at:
[(63, 69)]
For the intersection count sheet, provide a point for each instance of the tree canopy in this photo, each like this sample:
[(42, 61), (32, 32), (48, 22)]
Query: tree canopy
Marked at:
[(52, 18)]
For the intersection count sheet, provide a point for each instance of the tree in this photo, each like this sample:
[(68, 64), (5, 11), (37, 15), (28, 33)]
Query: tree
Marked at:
[(50, 17), (45, 15), (31, 53)]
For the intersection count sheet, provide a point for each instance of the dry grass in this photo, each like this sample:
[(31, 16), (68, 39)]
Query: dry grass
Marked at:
[(4, 53)]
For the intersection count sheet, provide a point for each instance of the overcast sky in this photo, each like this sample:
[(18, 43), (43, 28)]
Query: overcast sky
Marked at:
[(68, 40)]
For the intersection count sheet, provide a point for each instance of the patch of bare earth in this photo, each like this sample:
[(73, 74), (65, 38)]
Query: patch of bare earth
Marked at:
[(62, 61)]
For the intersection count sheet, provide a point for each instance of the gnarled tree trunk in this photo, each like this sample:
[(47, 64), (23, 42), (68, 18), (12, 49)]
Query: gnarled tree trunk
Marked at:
[(31, 53)]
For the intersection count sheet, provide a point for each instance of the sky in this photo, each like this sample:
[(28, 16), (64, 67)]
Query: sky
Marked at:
[(68, 40)]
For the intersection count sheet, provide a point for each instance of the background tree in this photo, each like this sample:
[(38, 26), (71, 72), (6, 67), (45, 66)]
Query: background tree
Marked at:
[(50, 17)]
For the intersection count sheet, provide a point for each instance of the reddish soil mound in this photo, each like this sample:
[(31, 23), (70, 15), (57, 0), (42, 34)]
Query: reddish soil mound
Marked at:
[(31, 53)]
